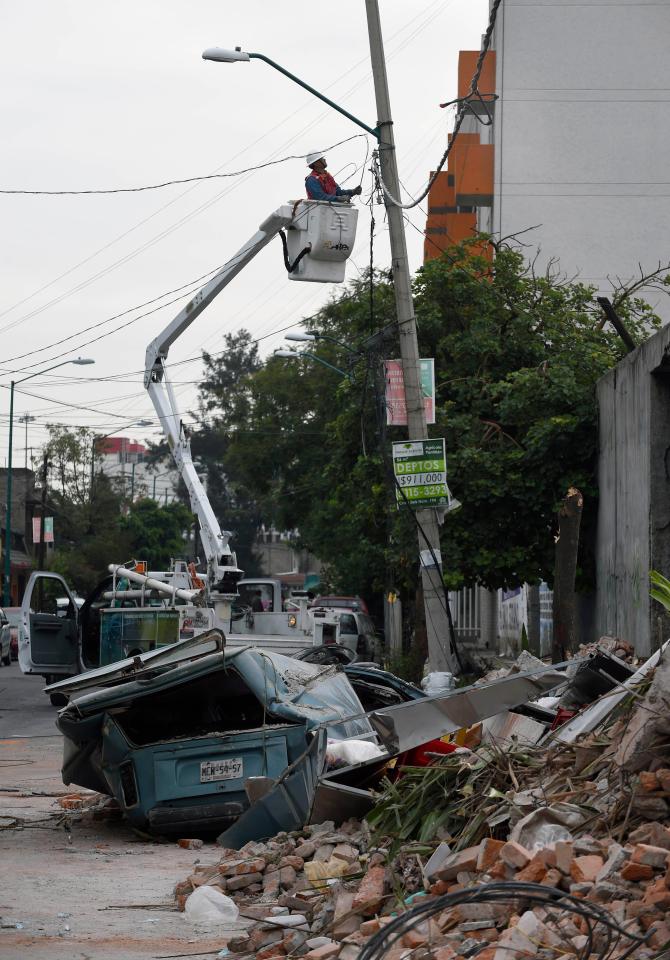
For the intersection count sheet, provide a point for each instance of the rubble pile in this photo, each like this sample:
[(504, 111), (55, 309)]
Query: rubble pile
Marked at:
[(324, 893), (615, 645), (554, 852)]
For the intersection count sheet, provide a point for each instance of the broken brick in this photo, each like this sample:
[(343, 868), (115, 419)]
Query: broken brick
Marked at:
[(287, 877), (552, 878), (325, 952), (533, 872), (439, 887), (242, 881), (654, 856), (664, 779), (370, 894), (636, 871), (190, 844), (345, 920), (649, 781), (447, 953), (489, 852), (514, 855), (457, 862), (346, 852), (564, 853), (414, 939), (273, 950), (233, 868), (586, 869)]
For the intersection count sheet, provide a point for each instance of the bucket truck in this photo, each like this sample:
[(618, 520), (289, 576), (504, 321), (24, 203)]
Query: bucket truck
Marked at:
[(136, 611), (319, 239)]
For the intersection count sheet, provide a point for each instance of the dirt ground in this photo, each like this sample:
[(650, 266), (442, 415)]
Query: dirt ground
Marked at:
[(72, 887)]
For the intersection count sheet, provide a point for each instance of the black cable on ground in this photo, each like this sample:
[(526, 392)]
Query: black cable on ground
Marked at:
[(597, 918)]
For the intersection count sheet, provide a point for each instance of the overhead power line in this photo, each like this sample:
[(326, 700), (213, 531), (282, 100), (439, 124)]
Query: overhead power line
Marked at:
[(172, 183), (101, 323)]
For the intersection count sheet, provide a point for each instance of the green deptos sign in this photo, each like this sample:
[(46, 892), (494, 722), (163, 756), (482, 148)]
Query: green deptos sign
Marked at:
[(420, 468)]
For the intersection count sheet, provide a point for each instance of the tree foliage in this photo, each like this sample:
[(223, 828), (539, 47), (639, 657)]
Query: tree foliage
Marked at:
[(518, 356), (156, 533)]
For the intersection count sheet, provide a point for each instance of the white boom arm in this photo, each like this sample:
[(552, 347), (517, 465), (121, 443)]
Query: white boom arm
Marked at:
[(222, 570)]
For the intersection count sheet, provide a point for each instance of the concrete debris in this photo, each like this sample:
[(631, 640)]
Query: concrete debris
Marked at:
[(562, 818)]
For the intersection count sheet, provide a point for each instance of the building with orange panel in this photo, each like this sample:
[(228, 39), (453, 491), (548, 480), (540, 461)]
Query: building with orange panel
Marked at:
[(460, 200)]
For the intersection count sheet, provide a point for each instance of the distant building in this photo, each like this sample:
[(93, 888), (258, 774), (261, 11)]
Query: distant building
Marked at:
[(280, 556), (24, 503), (124, 461)]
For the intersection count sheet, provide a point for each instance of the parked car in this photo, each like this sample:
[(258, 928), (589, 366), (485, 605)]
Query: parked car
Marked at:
[(13, 615), (340, 603), (5, 642)]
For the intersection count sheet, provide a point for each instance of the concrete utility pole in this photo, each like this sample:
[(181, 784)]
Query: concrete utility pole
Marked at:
[(440, 654)]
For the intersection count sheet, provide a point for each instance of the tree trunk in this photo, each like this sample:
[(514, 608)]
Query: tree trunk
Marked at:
[(564, 604)]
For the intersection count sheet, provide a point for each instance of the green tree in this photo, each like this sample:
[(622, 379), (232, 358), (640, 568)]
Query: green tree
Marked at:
[(87, 530), (156, 533), (517, 360)]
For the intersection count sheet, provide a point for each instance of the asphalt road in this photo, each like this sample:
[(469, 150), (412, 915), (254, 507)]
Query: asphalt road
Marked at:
[(71, 885), (25, 711)]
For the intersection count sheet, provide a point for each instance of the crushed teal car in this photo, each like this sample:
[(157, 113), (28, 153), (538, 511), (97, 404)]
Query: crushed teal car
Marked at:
[(185, 736)]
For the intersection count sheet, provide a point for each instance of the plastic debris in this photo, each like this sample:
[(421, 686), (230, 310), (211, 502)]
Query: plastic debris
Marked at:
[(437, 684), (209, 905)]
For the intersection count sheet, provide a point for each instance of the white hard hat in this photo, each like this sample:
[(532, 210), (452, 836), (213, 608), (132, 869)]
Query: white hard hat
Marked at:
[(313, 157)]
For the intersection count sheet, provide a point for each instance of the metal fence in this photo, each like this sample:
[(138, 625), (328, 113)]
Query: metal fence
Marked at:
[(466, 613)]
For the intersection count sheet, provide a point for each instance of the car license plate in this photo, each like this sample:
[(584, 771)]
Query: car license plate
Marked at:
[(230, 769)]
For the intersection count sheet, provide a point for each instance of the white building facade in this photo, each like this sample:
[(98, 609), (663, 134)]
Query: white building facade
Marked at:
[(581, 136)]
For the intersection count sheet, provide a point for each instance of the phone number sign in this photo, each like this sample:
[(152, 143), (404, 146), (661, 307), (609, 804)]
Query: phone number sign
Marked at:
[(420, 468)]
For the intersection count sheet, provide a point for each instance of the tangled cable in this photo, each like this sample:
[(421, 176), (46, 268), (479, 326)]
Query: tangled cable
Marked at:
[(463, 108), (603, 934)]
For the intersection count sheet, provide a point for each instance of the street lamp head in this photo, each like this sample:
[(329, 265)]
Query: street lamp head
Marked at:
[(301, 337), (225, 56), (82, 361), (288, 354), (142, 423)]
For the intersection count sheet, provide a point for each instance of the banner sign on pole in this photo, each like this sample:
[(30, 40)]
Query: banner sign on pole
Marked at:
[(420, 468), (48, 529), (396, 411)]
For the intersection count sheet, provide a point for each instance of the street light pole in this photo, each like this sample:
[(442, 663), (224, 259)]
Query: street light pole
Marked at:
[(440, 654), (6, 588), (294, 355), (26, 418)]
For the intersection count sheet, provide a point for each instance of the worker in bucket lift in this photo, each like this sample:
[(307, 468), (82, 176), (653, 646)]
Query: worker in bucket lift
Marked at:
[(320, 185)]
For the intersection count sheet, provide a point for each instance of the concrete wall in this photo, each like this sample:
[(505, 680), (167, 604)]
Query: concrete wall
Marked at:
[(582, 135), (634, 481)]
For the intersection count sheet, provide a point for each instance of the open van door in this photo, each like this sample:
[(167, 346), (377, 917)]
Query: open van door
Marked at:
[(49, 630)]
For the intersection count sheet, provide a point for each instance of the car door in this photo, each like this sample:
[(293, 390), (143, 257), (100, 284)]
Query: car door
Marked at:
[(48, 631)]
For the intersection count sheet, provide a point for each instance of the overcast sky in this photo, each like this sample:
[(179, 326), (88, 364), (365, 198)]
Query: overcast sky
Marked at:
[(109, 95)]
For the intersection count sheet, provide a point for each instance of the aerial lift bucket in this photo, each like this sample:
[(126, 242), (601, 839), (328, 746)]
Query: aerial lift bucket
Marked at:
[(328, 231)]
